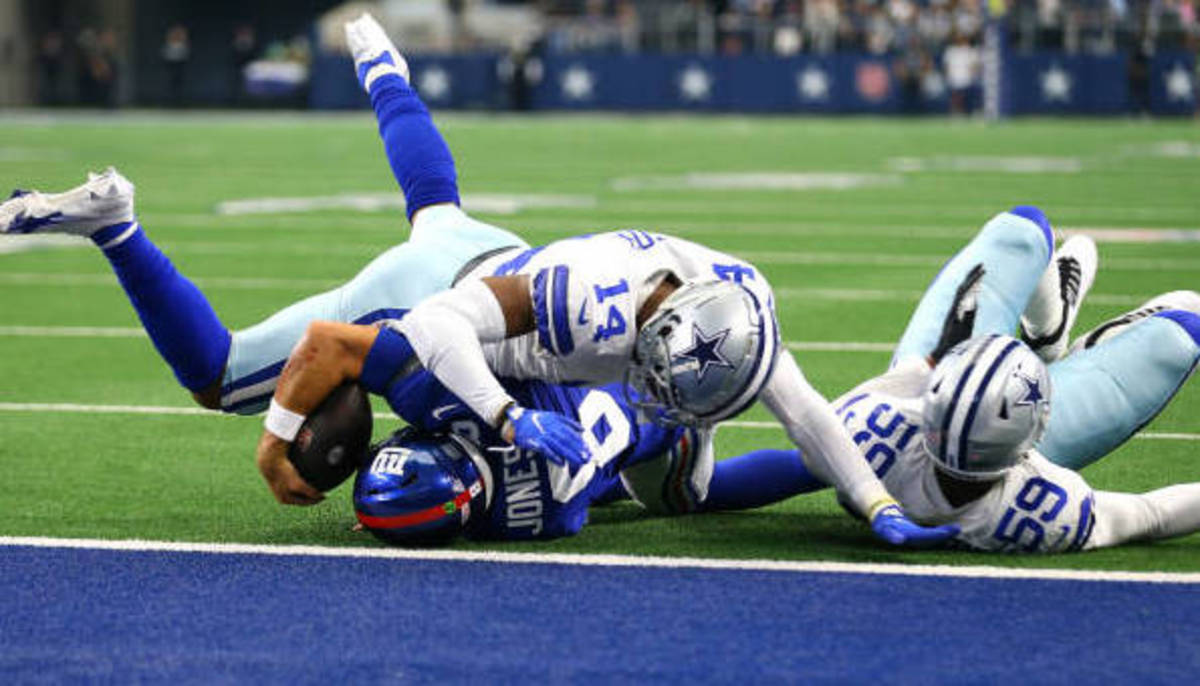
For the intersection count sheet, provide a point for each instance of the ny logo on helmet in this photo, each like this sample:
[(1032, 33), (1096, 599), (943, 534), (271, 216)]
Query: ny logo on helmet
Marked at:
[(391, 461)]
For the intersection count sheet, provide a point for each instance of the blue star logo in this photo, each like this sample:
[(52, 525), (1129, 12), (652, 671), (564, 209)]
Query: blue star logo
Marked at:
[(1033, 391), (706, 351)]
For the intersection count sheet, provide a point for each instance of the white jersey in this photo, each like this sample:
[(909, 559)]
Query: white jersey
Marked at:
[(587, 292), (1038, 507)]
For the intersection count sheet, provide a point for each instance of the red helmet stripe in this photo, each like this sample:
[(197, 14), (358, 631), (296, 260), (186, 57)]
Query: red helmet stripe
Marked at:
[(429, 514)]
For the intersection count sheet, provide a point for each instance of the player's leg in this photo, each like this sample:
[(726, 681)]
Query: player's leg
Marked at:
[(678, 474), (1014, 247), (1047, 321), (1104, 394), (418, 155), (443, 240), (176, 315)]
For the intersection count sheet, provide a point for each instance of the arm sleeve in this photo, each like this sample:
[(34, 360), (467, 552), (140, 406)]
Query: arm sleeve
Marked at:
[(1167, 512), (824, 444), (446, 333)]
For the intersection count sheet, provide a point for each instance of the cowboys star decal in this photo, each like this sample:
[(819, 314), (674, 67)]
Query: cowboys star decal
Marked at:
[(1033, 391), (706, 351)]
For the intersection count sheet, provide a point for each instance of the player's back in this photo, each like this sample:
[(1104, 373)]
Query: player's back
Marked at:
[(587, 292)]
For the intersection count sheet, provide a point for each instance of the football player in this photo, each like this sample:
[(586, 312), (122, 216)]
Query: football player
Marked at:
[(693, 328), (964, 434)]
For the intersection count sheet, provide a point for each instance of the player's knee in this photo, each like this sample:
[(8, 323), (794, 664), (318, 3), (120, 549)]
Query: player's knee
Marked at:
[(1188, 321), (1040, 220), (208, 398)]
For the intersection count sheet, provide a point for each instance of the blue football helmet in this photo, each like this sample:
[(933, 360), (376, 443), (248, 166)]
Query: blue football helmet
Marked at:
[(421, 489), (985, 405), (704, 355)]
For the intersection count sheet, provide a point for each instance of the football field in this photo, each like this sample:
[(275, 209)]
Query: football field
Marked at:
[(850, 220)]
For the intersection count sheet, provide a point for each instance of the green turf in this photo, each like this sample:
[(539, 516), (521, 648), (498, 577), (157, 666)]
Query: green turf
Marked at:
[(192, 477)]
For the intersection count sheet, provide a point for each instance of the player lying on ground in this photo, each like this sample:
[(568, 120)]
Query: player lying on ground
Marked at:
[(956, 442), (973, 441), (572, 311)]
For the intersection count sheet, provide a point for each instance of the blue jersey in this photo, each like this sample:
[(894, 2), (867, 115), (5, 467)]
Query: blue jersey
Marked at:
[(534, 497)]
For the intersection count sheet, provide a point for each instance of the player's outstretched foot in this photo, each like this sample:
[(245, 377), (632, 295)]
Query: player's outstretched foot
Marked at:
[(1175, 300), (1074, 268), (374, 53), (105, 199)]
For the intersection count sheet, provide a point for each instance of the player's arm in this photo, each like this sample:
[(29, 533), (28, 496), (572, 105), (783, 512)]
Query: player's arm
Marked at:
[(447, 333), (328, 354), (1165, 513), (830, 455)]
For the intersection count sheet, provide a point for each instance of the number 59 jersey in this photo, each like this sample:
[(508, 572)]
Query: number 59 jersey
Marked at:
[(1038, 506), (586, 294)]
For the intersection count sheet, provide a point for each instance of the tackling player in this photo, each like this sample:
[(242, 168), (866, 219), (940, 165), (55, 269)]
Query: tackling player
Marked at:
[(972, 440), (656, 309)]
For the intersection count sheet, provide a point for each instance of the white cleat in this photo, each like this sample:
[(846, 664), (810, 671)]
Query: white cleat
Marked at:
[(105, 199), (1175, 300), (1069, 277), (374, 53)]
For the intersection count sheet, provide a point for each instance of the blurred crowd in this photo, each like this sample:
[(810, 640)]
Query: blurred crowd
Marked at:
[(874, 26), (934, 46), (89, 67)]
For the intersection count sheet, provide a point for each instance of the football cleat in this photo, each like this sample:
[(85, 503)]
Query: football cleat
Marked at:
[(1046, 324), (374, 53), (105, 199), (1175, 300)]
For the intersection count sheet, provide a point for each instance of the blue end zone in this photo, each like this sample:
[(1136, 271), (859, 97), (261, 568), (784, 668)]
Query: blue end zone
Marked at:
[(92, 615), (1190, 321), (1037, 216)]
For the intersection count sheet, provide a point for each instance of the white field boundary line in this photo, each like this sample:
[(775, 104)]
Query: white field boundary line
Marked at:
[(170, 410), (603, 560)]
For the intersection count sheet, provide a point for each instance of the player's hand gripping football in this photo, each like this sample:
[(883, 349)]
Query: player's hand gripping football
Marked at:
[(557, 437), (960, 320), (891, 524), (281, 476)]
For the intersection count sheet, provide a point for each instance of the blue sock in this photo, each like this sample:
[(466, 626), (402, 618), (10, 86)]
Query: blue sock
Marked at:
[(758, 478), (176, 315), (420, 159)]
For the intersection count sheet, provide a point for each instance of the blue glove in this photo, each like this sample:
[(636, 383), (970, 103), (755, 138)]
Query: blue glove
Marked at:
[(558, 438), (892, 525)]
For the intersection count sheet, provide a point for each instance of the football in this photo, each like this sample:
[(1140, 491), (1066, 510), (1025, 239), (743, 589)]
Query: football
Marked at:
[(333, 438)]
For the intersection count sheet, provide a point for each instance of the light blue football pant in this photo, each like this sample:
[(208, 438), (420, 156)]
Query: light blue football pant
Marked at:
[(443, 240), (1100, 396)]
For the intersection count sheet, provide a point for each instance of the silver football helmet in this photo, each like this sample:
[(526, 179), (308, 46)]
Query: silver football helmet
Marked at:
[(704, 355), (986, 404)]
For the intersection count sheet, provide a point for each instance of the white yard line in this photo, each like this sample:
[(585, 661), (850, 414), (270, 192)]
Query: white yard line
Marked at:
[(84, 408), (251, 284), (236, 283), (603, 560), (73, 331)]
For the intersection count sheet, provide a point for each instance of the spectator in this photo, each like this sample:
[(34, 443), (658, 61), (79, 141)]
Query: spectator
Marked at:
[(243, 49), (50, 66), (961, 62), (176, 52)]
